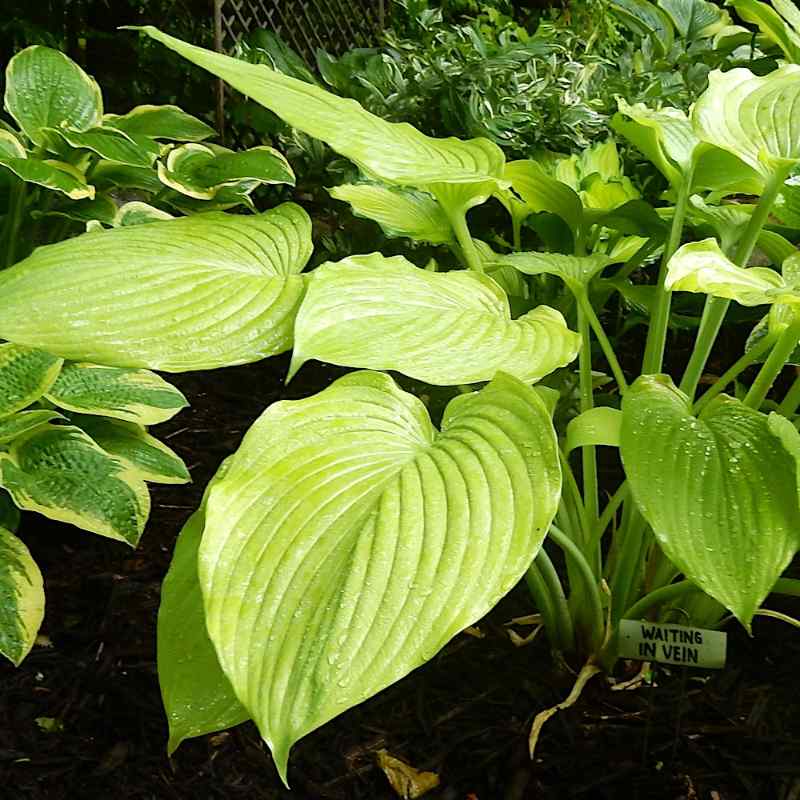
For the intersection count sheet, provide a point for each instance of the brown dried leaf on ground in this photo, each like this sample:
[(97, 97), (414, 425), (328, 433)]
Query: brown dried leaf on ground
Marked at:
[(409, 783)]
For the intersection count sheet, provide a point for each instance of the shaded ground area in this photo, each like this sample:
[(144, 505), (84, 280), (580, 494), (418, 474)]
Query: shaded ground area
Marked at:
[(466, 715)]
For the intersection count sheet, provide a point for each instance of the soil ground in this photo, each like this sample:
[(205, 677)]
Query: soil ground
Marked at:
[(691, 734)]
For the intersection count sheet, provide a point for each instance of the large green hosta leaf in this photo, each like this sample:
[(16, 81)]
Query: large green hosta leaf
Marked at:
[(772, 24), (392, 152), (192, 293), (21, 598), (55, 175), (198, 698), (576, 271), (349, 541), (45, 89), (25, 375), (753, 117), (136, 395), (720, 492), (60, 472), (441, 328)]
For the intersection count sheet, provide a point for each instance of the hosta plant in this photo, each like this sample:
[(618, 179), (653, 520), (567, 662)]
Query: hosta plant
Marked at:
[(352, 534)]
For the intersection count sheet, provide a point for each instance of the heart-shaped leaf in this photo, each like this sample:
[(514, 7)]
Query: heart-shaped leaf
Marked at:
[(392, 152), (25, 375), (192, 293), (60, 472), (399, 212), (753, 117), (136, 395), (441, 328), (135, 448), (45, 89), (21, 598), (160, 122), (349, 541), (720, 492), (198, 698)]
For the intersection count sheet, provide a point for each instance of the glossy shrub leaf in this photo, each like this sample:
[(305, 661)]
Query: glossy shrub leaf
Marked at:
[(198, 292), (349, 541), (199, 171), (197, 697), (21, 598), (695, 19), (399, 212), (392, 152), (703, 267), (17, 424), (60, 472), (135, 448), (646, 19), (752, 117), (597, 426), (575, 271), (720, 492), (160, 122), (111, 145), (45, 89), (25, 375), (441, 328), (55, 175), (136, 395)]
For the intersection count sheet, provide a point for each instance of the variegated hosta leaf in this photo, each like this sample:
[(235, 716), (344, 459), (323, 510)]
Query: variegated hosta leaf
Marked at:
[(702, 267), (399, 212), (160, 122), (135, 448), (575, 271), (17, 424), (21, 598), (198, 698), (349, 541), (60, 472), (11, 146), (45, 89), (200, 171), (392, 152), (9, 513), (25, 375), (111, 145), (720, 492), (198, 292), (441, 328), (138, 213), (100, 208), (55, 175), (136, 395), (108, 175), (753, 117)]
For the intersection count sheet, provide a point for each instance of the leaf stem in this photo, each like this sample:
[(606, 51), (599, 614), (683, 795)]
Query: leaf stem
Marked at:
[(588, 460), (548, 593), (790, 403), (659, 319), (773, 365), (715, 307), (458, 221), (608, 351), (640, 608), (609, 511)]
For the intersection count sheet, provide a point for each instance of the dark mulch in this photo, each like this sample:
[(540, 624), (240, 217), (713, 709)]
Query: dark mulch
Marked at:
[(724, 735)]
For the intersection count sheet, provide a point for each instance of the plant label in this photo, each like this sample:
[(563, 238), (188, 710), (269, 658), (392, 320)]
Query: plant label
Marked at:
[(672, 644)]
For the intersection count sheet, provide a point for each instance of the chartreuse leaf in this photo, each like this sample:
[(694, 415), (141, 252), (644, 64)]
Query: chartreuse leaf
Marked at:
[(702, 267), (392, 152), (399, 212), (349, 541), (197, 292), (575, 271), (135, 448), (136, 395), (111, 145), (55, 175), (753, 117), (596, 426), (45, 89), (160, 122), (199, 171), (21, 598), (197, 697), (441, 328), (772, 25), (25, 375), (17, 424), (720, 492), (60, 472), (541, 192)]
